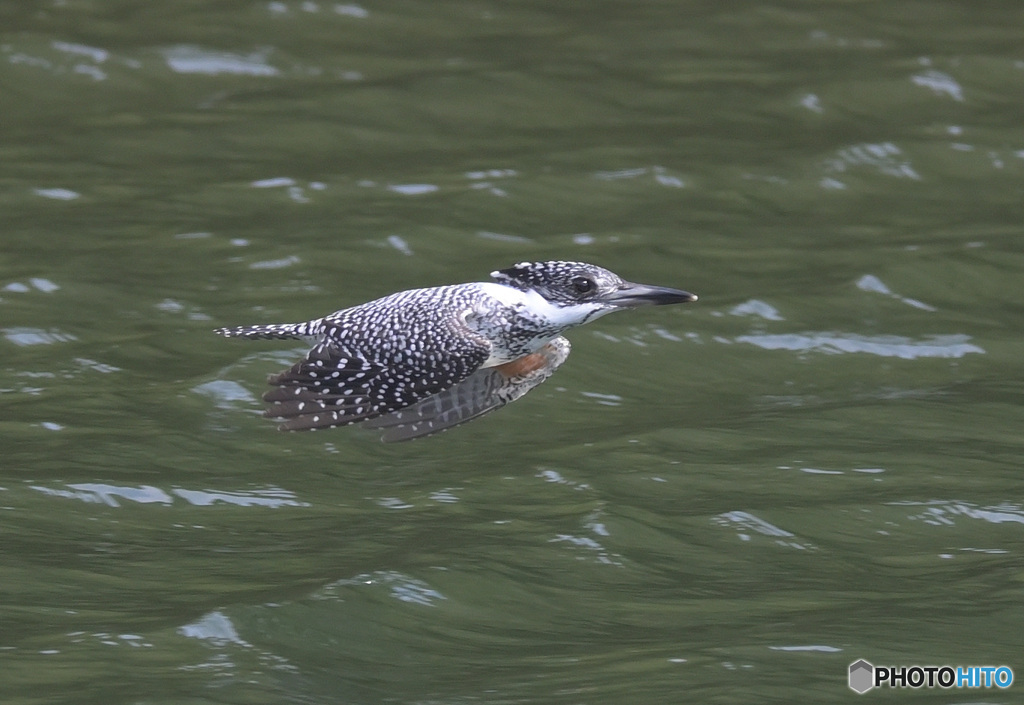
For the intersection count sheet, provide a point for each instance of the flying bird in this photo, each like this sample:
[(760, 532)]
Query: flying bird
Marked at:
[(420, 361)]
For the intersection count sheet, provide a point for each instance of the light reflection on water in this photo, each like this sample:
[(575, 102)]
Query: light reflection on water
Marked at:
[(112, 496), (943, 346)]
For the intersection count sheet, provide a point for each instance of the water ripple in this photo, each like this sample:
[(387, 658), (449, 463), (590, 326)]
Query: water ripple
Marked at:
[(194, 60), (941, 346), (747, 522), (402, 587), (112, 495), (945, 513)]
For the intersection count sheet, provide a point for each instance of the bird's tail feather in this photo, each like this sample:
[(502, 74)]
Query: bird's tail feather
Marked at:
[(273, 331)]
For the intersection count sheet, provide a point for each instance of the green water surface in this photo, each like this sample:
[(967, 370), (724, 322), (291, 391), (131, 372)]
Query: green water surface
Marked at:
[(727, 502)]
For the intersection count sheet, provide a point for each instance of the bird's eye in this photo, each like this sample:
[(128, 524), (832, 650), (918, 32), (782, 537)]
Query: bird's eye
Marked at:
[(582, 285)]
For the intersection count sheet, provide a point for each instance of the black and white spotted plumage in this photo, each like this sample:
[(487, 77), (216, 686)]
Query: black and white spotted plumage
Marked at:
[(485, 390), (420, 361)]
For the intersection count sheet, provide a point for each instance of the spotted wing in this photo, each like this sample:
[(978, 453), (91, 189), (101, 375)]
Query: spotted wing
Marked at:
[(481, 392), (333, 386)]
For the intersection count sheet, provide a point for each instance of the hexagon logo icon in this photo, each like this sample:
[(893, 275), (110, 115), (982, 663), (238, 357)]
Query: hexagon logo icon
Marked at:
[(861, 676)]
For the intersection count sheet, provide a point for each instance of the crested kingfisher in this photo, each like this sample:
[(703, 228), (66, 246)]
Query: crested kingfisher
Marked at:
[(421, 361)]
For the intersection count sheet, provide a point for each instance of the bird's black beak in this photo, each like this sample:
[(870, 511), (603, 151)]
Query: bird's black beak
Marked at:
[(632, 295)]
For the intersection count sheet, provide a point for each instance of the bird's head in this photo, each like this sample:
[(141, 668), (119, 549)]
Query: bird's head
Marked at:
[(584, 291)]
